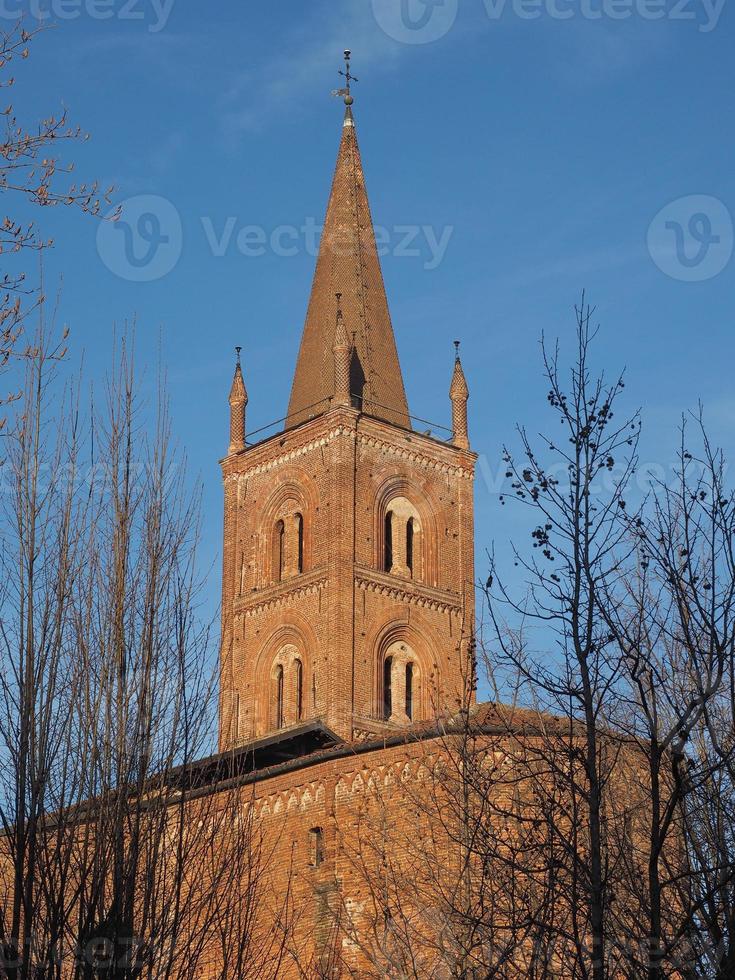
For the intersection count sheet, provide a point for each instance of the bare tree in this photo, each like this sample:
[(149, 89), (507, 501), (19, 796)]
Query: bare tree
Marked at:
[(575, 485), (126, 850), (29, 173), (672, 618), (585, 827), (45, 544)]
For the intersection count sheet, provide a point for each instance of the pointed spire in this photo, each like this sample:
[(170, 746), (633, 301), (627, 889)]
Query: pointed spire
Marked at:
[(341, 351), (238, 400), (348, 263), (459, 393)]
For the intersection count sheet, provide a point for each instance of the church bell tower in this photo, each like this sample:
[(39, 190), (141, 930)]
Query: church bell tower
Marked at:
[(348, 578)]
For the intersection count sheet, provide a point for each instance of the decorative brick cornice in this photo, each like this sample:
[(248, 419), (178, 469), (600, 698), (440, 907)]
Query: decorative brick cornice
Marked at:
[(299, 797), (414, 455), (281, 594), (375, 779), (427, 453), (288, 455), (406, 590)]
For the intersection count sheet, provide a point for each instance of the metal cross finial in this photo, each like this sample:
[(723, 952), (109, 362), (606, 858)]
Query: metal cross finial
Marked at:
[(237, 352), (456, 350), (349, 78)]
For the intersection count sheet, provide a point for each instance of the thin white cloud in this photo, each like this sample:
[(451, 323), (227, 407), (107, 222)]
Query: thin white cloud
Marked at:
[(307, 61), (576, 266)]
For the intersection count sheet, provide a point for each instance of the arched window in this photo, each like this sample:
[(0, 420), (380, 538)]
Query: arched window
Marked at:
[(402, 551), (399, 681), (279, 549), (279, 697), (388, 542), (409, 545), (387, 688), (300, 543), (409, 690), (299, 681)]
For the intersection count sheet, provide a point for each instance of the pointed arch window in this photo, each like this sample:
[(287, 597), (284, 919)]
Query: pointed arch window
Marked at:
[(387, 688), (409, 690), (388, 542), (278, 719), (401, 548), (279, 550), (300, 543), (409, 545), (299, 685)]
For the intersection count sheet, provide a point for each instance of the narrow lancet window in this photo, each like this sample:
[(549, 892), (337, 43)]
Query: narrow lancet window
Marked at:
[(388, 542), (316, 847), (387, 688), (279, 697), (300, 543), (409, 690), (280, 546), (299, 678), (409, 546)]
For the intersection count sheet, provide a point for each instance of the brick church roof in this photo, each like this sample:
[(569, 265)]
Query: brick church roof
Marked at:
[(348, 264)]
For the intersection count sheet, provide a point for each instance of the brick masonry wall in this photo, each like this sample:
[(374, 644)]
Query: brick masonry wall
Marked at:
[(390, 876), (338, 614), (367, 807), (262, 895)]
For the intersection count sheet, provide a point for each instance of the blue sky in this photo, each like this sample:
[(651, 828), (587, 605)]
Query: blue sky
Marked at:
[(536, 140)]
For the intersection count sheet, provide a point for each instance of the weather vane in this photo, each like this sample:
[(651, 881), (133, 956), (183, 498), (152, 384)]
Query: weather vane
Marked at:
[(349, 78)]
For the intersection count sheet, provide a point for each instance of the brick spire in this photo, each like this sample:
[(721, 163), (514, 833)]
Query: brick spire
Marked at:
[(348, 263), (238, 401), (459, 392)]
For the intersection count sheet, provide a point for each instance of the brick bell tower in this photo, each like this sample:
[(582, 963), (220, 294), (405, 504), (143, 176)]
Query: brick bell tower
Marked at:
[(348, 574)]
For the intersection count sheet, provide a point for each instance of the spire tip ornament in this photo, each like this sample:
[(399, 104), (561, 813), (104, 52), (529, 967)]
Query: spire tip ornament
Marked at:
[(346, 92)]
